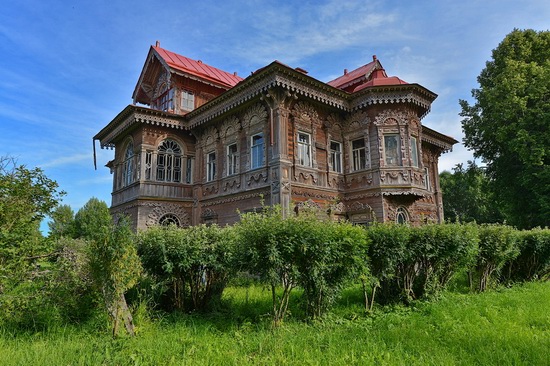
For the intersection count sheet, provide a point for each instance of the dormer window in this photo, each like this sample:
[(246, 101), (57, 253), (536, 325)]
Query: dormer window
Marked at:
[(187, 100)]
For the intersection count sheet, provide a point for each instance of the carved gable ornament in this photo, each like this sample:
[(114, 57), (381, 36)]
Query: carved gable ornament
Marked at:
[(392, 118), (256, 114), (304, 112), (357, 120), (229, 127)]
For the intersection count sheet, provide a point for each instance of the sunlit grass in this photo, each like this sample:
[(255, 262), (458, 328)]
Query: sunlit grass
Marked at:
[(510, 326)]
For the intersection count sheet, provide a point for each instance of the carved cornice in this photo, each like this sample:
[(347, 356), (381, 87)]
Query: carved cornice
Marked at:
[(407, 93), (271, 76), (132, 115)]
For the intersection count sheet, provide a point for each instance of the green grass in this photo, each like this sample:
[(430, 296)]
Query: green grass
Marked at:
[(510, 326)]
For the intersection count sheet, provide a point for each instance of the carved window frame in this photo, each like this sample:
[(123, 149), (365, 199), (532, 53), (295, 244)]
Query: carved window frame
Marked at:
[(402, 216), (187, 100), (414, 152), (129, 165)]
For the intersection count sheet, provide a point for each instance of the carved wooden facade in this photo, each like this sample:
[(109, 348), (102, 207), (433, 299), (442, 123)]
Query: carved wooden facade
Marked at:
[(200, 149)]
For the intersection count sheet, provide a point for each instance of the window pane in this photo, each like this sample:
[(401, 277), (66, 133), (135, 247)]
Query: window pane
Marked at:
[(257, 151), (232, 159), (336, 156), (359, 154), (414, 152), (391, 149), (304, 149)]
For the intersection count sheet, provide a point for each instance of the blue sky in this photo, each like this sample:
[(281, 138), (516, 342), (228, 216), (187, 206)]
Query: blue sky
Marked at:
[(67, 68)]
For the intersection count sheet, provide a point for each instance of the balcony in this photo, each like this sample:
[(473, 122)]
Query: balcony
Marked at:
[(159, 190)]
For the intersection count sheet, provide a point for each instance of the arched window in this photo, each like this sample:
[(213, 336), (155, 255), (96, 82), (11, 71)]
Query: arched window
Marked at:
[(401, 216), (128, 165), (169, 219), (169, 161)]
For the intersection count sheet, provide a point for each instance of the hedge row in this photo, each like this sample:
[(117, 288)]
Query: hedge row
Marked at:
[(189, 268)]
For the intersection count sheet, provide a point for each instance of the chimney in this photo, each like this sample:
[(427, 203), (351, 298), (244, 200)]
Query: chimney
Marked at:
[(235, 73), (374, 57), (345, 71), (157, 44)]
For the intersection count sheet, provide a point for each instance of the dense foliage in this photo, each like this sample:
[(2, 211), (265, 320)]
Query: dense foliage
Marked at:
[(189, 267), (507, 125), (300, 250), (468, 195), (26, 197)]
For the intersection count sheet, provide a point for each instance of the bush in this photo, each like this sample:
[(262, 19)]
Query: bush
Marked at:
[(498, 244), (533, 261), (190, 267)]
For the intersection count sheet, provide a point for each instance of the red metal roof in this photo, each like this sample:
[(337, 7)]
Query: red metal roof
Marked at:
[(371, 74), (197, 68)]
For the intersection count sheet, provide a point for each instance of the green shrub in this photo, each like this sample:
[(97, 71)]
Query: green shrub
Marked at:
[(498, 244), (190, 266), (533, 261)]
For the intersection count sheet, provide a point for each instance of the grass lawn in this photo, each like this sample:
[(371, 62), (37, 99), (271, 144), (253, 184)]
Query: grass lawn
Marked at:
[(510, 326)]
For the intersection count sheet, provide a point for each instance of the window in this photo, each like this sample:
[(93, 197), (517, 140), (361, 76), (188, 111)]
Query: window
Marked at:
[(165, 101), (189, 171), (391, 149), (401, 216), (232, 159), (304, 149), (169, 162), (148, 164), (414, 152), (257, 151), (336, 156), (187, 100), (128, 165), (210, 166), (168, 220), (427, 179), (359, 154)]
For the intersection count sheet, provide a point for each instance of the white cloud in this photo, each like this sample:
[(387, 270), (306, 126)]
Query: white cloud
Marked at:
[(67, 160)]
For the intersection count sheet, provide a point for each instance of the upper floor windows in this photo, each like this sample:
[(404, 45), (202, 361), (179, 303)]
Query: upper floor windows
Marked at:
[(210, 166), (257, 151), (336, 156), (169, 160), (359, 154), (304, 149), (187, 100), (128, 175), (391, 150), (414, 152), (232, 159)]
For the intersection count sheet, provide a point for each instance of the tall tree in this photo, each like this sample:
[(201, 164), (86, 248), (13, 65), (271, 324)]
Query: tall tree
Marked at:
[(467, 195), (91, 218), (26, 197), (509, 125), (62, 222)]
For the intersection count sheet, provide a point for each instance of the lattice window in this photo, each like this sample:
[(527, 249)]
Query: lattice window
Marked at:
[(128, 175), (169, 161), (401, 216), (189, 171), (169, 219)]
